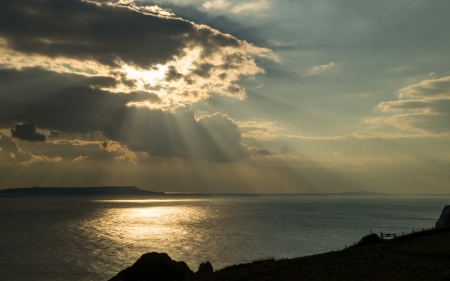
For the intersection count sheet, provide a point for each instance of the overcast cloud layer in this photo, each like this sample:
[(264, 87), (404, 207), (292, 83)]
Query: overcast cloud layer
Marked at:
[(226, 95)]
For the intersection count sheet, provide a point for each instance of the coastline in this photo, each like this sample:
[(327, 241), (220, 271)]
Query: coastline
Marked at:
[(420, 256), (133, 190)]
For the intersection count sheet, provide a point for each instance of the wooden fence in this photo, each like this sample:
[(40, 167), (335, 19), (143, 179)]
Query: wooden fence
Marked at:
[(388, 235)]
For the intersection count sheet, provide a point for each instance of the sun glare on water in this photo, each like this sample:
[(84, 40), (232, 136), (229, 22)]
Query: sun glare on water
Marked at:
[(154, 220)]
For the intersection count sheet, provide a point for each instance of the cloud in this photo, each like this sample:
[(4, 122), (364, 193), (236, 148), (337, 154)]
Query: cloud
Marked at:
[(151, 10), (89, 31), (139, 48), (27, 132), (180, 134), (80, 158), (422, 107), (263, 152), (236, 6), (224, 137), (268, 131), (59, 102), (436, 89), (11, 153), (43, 158), (117, 148), (250, 6), (216, 4), (70, 147), (259, 129), (321, 68), (71, 105)]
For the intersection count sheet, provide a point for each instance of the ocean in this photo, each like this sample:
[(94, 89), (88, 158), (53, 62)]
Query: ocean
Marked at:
[(93, 238)]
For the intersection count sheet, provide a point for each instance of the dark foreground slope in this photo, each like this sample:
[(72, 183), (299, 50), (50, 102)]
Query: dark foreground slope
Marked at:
[(423, 256)]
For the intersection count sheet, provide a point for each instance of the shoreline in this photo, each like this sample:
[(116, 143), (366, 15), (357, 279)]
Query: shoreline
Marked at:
[(421, 255)]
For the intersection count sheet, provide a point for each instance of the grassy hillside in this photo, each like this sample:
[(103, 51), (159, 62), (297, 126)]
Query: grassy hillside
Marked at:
[(423, 256)]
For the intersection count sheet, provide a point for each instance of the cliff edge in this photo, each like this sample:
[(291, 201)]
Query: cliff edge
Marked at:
[(444, 219)]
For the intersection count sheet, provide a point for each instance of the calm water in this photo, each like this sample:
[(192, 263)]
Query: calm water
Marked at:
[(86, 238)]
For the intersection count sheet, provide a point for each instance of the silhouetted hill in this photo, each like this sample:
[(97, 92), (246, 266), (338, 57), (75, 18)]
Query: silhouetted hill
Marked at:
[(100, 190)]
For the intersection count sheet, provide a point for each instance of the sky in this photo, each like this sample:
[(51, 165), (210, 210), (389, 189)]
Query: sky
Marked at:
[(226, 96)]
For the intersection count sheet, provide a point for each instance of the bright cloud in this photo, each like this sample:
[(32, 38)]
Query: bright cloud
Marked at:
[(79, 158), (321, 68), (236, 6), (250, 6), (216, 4), (422, 107), (180, 62)]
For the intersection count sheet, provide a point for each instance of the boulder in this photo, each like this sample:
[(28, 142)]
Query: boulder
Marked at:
[(155, 267), (370, 239), (444, 219), (204, 268)]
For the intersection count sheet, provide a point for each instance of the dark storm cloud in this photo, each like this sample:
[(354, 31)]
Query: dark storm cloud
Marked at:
[(27, 132), (263, 152), (101, 32), (173, 74), (58, 102), (144, 96), (53, 134), (203, 69), (179, 134), (68, 103)]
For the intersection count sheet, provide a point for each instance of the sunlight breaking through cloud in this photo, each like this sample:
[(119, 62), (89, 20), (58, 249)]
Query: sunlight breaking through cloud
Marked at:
[(180, 62)]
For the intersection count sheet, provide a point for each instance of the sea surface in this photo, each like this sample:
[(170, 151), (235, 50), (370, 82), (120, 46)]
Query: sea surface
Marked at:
[(93, 238)]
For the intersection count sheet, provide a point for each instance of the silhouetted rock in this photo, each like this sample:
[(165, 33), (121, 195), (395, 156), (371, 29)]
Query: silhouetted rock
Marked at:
[(444, 219), (370, 240), (155, 267), (205, 268)]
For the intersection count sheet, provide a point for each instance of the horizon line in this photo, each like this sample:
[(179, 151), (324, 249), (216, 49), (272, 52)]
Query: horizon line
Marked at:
[(354, 193)]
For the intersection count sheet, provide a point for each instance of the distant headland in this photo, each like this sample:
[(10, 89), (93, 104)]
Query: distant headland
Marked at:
[(98, 190)]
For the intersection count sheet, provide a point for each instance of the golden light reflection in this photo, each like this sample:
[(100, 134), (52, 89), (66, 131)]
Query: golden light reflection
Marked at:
[(147, 200), (145, 226)]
